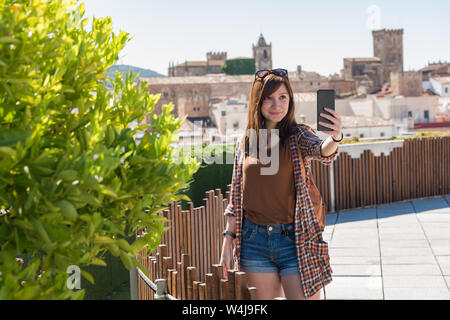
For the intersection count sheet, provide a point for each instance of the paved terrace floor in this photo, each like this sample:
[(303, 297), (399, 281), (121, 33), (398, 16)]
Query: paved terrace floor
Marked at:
[(391, 252)]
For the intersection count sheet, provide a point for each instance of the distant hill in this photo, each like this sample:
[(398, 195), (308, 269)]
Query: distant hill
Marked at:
[(124, 68)]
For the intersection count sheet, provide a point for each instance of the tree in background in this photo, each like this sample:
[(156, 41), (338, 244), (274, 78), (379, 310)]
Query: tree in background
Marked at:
[(74, 183), (239, 66)]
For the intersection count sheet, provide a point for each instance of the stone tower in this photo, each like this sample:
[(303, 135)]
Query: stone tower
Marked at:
[(262, 53), (388, 46)]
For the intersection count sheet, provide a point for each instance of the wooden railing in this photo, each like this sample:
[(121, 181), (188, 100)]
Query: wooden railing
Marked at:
[(186, 263), (181, 281), (358, 178)]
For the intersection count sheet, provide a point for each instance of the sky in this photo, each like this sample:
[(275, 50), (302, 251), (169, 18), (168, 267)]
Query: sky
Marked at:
[(317, 35)]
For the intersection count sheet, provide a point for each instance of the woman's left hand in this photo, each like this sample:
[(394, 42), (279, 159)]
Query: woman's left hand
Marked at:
[(336, 126)]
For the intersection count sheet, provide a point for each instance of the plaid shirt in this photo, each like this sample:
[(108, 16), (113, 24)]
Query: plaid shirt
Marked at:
[(312, 252)]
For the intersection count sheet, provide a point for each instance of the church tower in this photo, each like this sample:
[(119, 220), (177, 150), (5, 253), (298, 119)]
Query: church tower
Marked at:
[(262, 53), (388, 46)]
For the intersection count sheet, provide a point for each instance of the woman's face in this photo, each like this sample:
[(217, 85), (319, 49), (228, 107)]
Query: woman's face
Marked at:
[(275, 107)]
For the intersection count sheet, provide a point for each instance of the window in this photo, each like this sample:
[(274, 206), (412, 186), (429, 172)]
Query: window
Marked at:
[(236, 125), (310, 83), (166, 93), (446, 90), (318, 83), (409, 113), (347, 134), (361, 135), (382, 134), (224, 113), (265, 54)]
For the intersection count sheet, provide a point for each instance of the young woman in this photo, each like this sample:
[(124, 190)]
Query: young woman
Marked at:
[(278, 240)]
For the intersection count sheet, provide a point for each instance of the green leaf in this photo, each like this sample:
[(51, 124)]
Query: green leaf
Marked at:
[(68, 175), (140, 266), (125, 245), (126, 260), (41, 231), (114, 249), (9, 137), (8, 151), (9, 40), (78, 295), (87, 275), (98, 262), (67, 209)]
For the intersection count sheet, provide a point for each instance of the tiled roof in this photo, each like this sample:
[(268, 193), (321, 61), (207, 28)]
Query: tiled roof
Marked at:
[(209, 78), (187, 125), (433, 67), (192, 64), (306, 76), (442, 80)]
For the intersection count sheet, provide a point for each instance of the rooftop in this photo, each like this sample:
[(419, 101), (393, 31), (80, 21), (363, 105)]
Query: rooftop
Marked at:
[(200, 63), (442, 80), (369, 59), (209, 78)]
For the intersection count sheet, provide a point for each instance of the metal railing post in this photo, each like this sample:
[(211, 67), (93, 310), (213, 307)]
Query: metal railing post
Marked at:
[(134, 295)]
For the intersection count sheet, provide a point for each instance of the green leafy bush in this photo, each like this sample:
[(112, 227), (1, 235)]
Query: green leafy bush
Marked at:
[(74, 183)]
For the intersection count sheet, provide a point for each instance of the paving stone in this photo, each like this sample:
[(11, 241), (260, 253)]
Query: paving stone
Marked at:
[(401, 230), (440, 247), (412, 243), (402, 236), (431, 205), (414, 281), (437, 235), (357, 224), (353, 293), (331, 218), (357, 215), (354, 252), (327, 237), (401, 252), (409, 260), (435, 224), (445, 269), (356, 282), (417, 294), (353, 244), (354, 260), (356, 232), (356, 270), (413, 269), (404, 218), (443, 259), (447, 279), (395, 208), (447, 197), (433, 217)]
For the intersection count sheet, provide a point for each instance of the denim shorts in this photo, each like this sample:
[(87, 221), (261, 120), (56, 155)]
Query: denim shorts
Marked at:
[(268, 248)]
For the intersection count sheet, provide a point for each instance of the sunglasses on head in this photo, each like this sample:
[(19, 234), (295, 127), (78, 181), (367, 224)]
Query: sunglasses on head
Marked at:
[(261, 74)]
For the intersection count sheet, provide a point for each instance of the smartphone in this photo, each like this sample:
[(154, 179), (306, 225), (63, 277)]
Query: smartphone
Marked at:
[(325, 99)]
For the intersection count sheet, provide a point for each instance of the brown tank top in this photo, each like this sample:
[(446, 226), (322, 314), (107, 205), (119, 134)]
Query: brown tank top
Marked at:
[(269, 199)]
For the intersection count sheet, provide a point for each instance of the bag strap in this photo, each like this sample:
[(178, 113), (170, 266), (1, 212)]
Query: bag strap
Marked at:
[(302, 165)]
